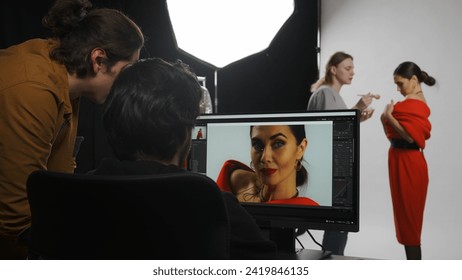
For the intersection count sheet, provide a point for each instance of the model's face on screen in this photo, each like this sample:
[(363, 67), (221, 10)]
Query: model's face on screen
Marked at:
[(275, 154)]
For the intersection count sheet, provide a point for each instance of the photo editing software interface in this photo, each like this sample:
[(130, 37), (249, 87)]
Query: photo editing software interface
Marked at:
[(331, 156)]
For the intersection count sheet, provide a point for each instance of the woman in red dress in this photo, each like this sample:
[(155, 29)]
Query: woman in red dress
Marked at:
[(407, 126), (276, 153)]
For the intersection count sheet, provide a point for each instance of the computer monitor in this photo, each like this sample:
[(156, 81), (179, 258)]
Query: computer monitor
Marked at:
[(331, 159)]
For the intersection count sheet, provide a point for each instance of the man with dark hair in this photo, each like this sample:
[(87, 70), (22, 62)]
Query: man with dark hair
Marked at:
[(149, 117), (41, 84)]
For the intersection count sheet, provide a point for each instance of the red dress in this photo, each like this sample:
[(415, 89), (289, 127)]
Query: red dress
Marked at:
[(223, 181), (408, 172)]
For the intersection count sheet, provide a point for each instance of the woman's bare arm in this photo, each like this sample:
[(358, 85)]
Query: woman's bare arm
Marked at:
[(388, 118)]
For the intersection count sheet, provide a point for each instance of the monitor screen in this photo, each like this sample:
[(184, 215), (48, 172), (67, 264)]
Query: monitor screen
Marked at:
[(331, 159)]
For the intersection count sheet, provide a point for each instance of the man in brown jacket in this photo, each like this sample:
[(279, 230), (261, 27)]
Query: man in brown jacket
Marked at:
[(41, 82)]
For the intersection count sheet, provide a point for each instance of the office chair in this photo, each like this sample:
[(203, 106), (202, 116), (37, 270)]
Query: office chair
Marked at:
[(168, 216)]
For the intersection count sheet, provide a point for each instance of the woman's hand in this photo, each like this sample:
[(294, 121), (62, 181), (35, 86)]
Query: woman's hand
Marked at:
[(246, 186), (366, 100), (366, 114), (388, 119), (387, 112)]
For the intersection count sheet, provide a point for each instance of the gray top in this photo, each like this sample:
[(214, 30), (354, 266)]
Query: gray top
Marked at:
[(326, 98)]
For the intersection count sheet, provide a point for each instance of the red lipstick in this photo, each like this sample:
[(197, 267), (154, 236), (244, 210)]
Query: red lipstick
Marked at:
[(268, 171)]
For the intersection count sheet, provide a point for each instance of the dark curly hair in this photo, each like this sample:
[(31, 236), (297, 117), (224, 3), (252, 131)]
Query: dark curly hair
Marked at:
[(78, 30)]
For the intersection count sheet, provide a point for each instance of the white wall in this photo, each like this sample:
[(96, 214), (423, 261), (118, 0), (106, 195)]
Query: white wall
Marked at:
[(381, 34)]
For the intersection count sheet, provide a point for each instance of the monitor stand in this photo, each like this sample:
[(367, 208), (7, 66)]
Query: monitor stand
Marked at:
[(285, 241), (310, 254)]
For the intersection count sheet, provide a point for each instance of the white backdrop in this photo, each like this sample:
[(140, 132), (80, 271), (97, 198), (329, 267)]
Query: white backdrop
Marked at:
[(380, 35)]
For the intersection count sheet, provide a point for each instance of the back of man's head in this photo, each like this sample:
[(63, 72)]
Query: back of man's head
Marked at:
[(151, 109)]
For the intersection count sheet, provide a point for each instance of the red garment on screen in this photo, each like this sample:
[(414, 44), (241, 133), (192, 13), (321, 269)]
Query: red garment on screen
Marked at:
[(295, 201), (223, 181), (408, 171)]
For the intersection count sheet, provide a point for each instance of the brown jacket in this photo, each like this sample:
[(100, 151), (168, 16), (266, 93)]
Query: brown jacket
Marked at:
[(38, 125)]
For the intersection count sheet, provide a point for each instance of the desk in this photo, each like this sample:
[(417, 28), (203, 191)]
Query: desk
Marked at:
[(310, 254)]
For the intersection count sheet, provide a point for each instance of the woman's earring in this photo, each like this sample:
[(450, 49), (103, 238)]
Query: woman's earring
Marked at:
[(251, 165), (299, 165)]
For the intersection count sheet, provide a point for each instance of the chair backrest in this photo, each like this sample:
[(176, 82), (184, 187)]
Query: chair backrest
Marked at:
[(168, 216)]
